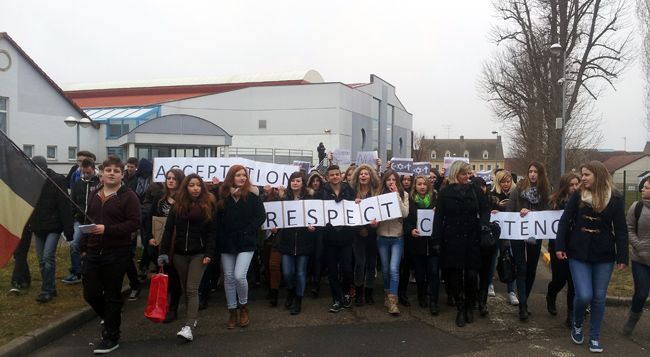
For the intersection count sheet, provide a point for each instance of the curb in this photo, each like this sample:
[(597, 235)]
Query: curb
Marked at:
[(33, 340)]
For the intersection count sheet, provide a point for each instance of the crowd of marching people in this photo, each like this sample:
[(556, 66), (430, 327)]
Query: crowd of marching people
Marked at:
[(212, 235)]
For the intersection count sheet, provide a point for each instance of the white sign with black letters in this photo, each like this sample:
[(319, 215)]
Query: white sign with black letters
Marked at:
[(425, 222)]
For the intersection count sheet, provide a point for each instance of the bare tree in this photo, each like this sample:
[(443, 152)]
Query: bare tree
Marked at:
[(643, 14), (422, 147), (522, 81)]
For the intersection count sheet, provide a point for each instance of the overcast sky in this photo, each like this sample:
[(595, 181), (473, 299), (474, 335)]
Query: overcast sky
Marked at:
[(432, 51)]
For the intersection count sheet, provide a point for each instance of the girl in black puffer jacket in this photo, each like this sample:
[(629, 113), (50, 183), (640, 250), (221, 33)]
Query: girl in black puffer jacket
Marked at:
[(296, 245), (191, 229)]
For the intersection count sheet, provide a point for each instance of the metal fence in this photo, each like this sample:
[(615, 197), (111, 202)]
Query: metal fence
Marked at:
[(627, 182), (277, 156)]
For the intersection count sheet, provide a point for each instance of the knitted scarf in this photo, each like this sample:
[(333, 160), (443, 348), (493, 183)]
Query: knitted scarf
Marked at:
[(422, 202)]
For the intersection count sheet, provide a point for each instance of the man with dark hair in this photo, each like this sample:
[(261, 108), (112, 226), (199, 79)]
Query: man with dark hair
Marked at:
[(129, 175), (80, 195), (75, 172), (52, 215), (337, 243), (106, 250)]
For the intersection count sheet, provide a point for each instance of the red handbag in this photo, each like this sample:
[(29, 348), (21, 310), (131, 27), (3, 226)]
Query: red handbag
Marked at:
[(157, 304)]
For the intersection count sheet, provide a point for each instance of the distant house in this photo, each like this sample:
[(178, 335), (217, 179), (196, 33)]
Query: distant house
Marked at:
[(628, 170), (483, 154)]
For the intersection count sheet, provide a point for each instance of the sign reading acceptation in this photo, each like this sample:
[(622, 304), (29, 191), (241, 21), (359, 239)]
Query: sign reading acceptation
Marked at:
[(318, 213), (260, 173), (536, 224)]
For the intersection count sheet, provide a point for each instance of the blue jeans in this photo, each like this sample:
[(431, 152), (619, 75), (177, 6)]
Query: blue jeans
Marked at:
[(294, 271), (235, 268), (75, 255), (390, 251), (590, 281), (46, 251), (641, 275)]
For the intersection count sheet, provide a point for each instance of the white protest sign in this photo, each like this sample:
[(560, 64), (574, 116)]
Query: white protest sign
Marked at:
[(342, 156), (389, 206), (260, 173), (425, 222), (421, 168), (334, 213), (402, 166), (352, 213), (273, 215), (450, 160), (293, 214), (536, 224), (314, 213), (367, 157), (369, 208)]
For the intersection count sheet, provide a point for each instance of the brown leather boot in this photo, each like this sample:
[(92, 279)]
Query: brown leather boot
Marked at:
[(232, 320), (386, 302), (244, 318), (392, 308)]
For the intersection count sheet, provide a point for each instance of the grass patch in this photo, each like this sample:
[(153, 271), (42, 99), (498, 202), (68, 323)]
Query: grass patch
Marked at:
[(621, 284), (21, 314)]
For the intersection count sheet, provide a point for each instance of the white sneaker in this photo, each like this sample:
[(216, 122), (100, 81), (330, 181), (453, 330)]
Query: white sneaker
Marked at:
[(186, 333), (491, 291), (512, 299)]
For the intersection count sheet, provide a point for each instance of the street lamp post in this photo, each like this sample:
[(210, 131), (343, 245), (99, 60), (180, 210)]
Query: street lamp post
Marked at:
[(72, 121), (557, 50), (496, 148)]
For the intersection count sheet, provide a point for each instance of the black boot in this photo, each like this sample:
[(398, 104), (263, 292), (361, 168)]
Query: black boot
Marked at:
[(369, 299), (422, 300), (482, 304), (433, 307), (460, 318), (171, 316), (569, 318), (273, 297), (403, 299), (291, 294), (358, 296), (469, 313), (550, 303), (523, 312), (297, 305), (203, 302)]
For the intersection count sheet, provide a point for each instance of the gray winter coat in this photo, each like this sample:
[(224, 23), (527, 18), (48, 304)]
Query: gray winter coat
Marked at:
[(640, 242)]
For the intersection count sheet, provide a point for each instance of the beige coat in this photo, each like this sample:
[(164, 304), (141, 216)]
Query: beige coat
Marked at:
[(394, 227)]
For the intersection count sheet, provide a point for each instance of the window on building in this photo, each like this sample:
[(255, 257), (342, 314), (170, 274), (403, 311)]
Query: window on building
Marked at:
[(489, 167), (119, 127), (466, 154), (117, 151), (28, 150), (261, 124), (51, 152), (473, 167), (363, 138), (447, 153), (72, 153), (433, 154), (485, 154), (480, 167), (390, 119), (3, 114)]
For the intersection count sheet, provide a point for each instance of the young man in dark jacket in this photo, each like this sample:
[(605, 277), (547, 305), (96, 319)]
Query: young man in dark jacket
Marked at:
[(52, 215), (337, 242), (106, 250), (80, 195)]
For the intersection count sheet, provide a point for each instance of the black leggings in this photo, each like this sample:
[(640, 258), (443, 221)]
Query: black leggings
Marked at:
[(561, 274), (463, 285), (526, 257), (487, 257)]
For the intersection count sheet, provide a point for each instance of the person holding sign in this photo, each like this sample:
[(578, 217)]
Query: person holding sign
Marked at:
[(593, 236), (366, 184), (316, 182), (337, 242), (296, 244), (162, 205), (241, 213), (426, 249), (531, 194), (408, 259), (390, 241), (461, 212), (191, 229), (561, 274)]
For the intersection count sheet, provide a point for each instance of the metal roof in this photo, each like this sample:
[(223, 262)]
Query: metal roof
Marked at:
[(103, 114)]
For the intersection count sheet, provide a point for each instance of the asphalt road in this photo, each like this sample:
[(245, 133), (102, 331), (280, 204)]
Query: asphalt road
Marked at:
[(363, 331)]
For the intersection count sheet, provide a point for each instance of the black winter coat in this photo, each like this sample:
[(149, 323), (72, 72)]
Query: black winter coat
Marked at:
[(239, 223), (297, 241), (428, 246), (193, 236), (460, 213), (53, 211), (594, 237), (80, 194), (339, 235)]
